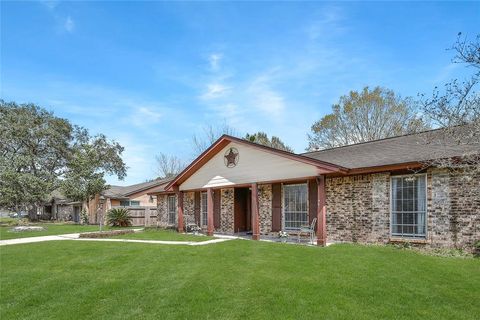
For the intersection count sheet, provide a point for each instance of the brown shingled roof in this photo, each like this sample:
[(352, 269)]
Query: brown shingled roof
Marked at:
[(396, 150), (119, 192)]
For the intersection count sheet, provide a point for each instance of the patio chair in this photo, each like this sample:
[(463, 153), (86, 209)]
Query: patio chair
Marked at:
[(308, 229)]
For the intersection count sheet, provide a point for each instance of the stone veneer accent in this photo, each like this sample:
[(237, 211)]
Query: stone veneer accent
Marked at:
[(189, 207), (265, 208), (162, 211), (64, 212), (226, 211)]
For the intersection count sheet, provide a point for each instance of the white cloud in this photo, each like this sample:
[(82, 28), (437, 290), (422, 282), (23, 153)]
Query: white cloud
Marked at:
[(214, 60), (264, 98), (214, 91), (63, 23), (328, 23), (49, 4), (152, 115), (69, 24), (142, 115)]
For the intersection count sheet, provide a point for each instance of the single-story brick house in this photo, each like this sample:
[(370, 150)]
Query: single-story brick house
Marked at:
[(373, 192)]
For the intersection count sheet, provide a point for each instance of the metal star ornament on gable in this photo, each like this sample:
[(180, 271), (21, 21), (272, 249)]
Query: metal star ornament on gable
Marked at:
[(231, 157)]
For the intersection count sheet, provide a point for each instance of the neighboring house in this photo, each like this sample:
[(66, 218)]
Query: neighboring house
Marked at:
[(133, 197), (373, 192), (60, 208)]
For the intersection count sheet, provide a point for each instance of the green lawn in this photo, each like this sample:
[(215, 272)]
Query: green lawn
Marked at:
[(50, 229), (232, 280), (160, 234)]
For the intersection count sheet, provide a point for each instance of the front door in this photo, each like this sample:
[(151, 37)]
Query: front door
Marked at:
[(242, 210), (76, 214)]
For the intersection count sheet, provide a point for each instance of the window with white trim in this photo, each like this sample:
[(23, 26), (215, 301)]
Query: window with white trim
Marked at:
[(129, 203), (409, 209), (203, 208), (295, 208), (172, 209)]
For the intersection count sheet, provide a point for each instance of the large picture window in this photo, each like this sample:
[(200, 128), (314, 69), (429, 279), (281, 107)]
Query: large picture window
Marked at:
[(409, 206), (203, 208), (172, 209), (295, 209)]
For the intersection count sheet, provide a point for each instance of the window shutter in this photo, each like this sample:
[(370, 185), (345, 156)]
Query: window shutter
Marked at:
[(197, 207), (276, 207), (312, 199), (216, 208)]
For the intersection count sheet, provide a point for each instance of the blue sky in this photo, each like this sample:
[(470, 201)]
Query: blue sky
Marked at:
[(151, 75)]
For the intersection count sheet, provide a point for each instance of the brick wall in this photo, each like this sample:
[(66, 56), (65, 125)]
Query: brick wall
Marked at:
[(358, 208), (453, 209)]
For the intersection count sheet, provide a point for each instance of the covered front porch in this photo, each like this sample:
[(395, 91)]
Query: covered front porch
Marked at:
[(259, 210), (238, 187)]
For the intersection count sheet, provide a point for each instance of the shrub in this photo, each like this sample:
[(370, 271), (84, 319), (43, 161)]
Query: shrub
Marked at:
[(84, 217), (476, 249), (12, 222), (105, 234), (119, 217)]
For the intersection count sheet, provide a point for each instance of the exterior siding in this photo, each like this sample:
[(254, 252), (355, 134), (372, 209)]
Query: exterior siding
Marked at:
[(144, 199), (253, 166)]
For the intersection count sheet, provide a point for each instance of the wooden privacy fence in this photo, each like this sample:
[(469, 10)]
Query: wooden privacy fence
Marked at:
[(143, 216)]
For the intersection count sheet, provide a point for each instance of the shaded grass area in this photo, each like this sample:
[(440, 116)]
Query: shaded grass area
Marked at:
[(232, 280), (50, 229), (162, 234)]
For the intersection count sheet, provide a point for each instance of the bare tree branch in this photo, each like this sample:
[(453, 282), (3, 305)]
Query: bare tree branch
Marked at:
[(456, 108), (210, 134), (168, 166)]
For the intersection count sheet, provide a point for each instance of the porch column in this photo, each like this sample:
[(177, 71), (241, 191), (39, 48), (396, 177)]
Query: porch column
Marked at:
[(321, 212), (210, 212), (179, 195), (255, 213)]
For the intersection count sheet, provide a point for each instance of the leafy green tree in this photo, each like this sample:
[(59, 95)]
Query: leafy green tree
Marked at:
[(262, 138), (365, 116), (34, 145), (88, 162), (40, 152)]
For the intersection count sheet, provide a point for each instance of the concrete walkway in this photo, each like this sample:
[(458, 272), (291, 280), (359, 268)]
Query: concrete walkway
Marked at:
[(76, 237)]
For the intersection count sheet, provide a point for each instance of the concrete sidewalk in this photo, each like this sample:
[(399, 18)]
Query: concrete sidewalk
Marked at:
[(76, 237)]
